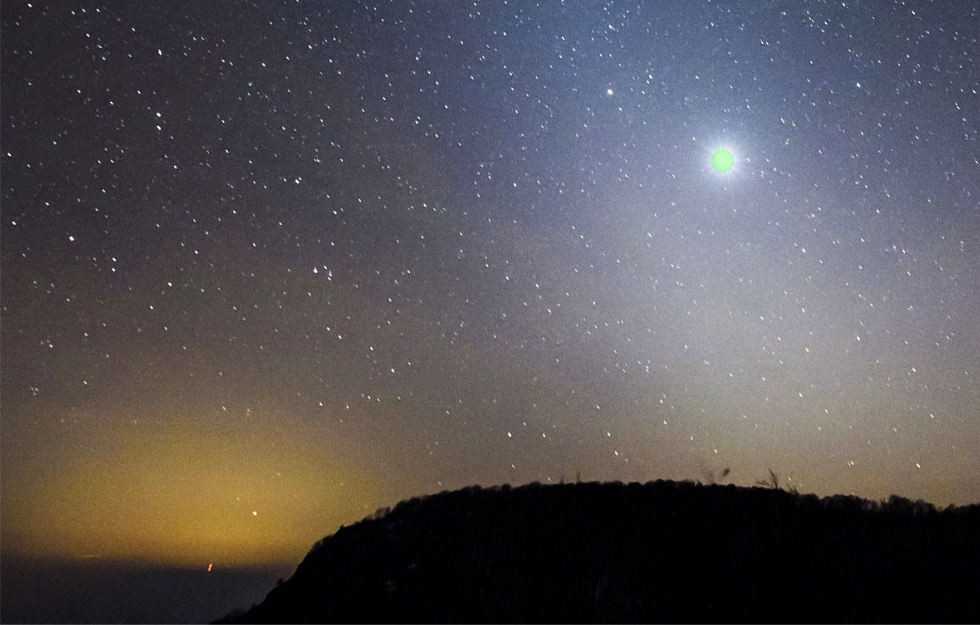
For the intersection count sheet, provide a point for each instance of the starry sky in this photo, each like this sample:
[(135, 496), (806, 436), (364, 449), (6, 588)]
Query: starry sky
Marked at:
[(267, 266)]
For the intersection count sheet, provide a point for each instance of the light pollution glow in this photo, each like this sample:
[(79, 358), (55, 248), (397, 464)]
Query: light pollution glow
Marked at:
[(188, 495)]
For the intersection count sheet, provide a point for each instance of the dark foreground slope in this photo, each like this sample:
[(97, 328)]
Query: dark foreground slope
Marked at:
[(662, 551)]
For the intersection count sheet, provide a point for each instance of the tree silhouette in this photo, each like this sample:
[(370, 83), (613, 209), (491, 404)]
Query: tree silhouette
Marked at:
[(614, 552), (772, 482)]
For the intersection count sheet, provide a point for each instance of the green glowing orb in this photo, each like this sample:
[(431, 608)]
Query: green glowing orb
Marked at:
[(722, 161)]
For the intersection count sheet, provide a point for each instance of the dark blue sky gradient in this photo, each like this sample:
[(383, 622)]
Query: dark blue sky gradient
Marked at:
[(364, 252)]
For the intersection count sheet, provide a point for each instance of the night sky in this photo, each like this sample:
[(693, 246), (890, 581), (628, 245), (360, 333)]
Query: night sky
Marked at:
[(267, 266)]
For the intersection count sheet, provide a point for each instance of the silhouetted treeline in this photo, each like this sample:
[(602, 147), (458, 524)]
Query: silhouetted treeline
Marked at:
[(656, 552)]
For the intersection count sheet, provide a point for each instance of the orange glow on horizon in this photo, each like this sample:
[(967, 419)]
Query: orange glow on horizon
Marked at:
[(169, 495)]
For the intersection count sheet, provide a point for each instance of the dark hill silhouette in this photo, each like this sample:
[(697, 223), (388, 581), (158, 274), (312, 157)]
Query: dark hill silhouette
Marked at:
[(661, 551)]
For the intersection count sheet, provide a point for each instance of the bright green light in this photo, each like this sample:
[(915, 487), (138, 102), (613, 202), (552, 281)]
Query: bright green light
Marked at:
[(722, 161)]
